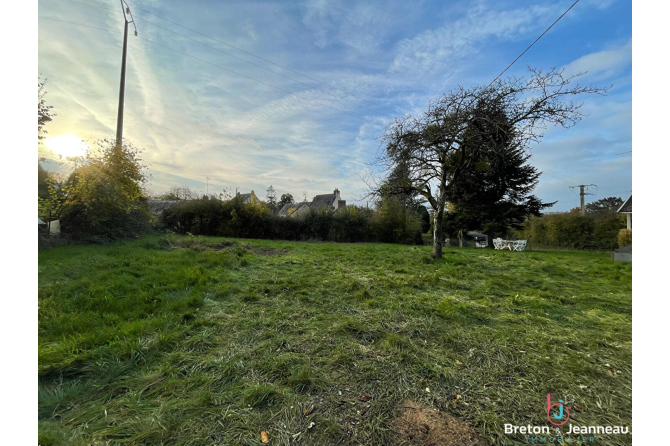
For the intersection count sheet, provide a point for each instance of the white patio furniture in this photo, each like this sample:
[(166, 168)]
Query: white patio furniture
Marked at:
[(519, 245), (512, 245)]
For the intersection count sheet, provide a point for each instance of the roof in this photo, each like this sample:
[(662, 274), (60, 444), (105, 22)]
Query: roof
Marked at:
[(285, 211), (249, 198), (320, 201), (627, 206), (158, 206)]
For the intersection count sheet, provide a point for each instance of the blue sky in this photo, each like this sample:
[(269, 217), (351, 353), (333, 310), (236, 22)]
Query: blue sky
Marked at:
[(196, 120)]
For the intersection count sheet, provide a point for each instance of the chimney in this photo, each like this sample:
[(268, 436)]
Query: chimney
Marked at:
[(336, 201)]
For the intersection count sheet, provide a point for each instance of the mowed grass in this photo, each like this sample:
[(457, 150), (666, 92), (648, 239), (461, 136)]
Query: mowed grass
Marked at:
[(200, 341)]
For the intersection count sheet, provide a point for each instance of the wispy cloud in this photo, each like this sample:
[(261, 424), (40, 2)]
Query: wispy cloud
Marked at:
[(603, 65), (196, 120), (447, 46)]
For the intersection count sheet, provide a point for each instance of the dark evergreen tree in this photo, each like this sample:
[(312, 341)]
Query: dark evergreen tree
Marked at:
[(494, 192)]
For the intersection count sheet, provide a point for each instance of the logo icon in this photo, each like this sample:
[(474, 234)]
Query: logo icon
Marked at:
[(554, 418)]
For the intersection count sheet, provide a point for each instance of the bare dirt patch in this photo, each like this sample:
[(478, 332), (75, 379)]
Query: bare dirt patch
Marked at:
[(222, 245), (426, 426)]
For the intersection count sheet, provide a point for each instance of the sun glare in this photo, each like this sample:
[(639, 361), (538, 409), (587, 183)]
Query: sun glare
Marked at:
[(67, 145)]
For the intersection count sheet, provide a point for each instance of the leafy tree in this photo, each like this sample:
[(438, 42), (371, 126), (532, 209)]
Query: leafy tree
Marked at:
[(604, 205), (434, 144), (43, 177), (493, 195), (396, 193), (53, 193), (106, 194), (394, 222), (285, 199)]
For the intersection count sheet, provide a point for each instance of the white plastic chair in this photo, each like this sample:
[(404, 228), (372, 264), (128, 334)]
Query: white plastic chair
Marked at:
[(497, 243), (520, 245)]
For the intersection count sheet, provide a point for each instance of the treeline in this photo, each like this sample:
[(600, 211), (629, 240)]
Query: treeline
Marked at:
[(389, 223), (597, 231)]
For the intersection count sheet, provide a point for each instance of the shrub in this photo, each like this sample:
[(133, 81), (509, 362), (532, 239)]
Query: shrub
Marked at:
[(103, 199), (572, 231), (625, 237), (236, 219)]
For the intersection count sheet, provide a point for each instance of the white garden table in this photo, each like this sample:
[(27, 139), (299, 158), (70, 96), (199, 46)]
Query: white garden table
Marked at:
[(512, 245)]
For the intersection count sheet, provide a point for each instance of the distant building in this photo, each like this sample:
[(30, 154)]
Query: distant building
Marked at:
[(328, 200), (625, 253), (627, 208), (331, 202), (293, 209), (249, 198)]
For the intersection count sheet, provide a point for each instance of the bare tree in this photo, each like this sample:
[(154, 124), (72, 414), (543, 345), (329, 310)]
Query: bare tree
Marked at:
[(179, 193), (44, 113), (271, 199), (432, 148)]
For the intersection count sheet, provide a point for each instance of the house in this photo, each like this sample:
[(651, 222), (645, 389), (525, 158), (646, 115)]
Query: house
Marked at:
[(331, 202), (293, 209), (249, 198), (625, 253), (334, 201), (627, 208)]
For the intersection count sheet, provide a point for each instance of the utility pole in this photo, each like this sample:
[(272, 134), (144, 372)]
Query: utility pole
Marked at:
[(119, 120), (207, 187), (582, 210)]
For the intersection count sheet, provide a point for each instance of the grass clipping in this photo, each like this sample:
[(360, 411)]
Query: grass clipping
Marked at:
[(421, 425)]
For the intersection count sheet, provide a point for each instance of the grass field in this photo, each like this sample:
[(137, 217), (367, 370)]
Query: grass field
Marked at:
[(201, 341)]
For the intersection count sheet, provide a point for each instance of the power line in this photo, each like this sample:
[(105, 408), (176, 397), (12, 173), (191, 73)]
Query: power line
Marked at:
[(234, 72), (79, 24), (619, 192), (231, 55), (255, 80), (95, 6), (266, 60), (218, 66), (252, 63), (534, 42), (245, 52)]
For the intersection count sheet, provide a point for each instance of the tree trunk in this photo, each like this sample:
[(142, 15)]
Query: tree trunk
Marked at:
[(460, 238), (438, 236)]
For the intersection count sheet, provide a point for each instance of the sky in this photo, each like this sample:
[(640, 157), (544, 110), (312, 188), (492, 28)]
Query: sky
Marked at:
[(296, 94)]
